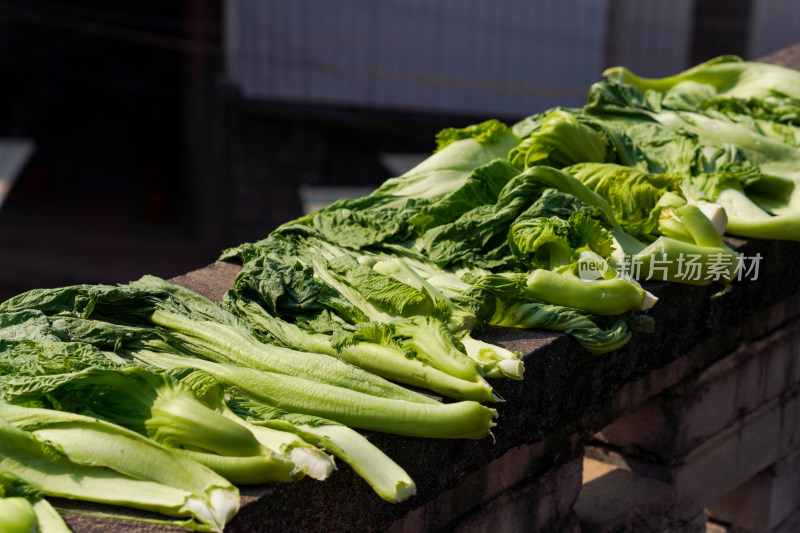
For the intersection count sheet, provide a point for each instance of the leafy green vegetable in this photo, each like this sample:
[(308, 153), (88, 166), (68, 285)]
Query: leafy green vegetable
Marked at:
[(724, 83), (421, 417), (384, 358), (750, 151), (597, 334), (490, 132), (388, 479), (200, 328), (78, 457), (635, 196), (482, 186), (465, 419), (558, 141), (157, 405)]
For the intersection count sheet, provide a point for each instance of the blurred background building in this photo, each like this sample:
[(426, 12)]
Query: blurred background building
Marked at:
[(146, 136)]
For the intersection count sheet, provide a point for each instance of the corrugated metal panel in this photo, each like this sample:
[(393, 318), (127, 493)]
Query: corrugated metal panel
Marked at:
[(504, 58), (775, 24), (651, 37)]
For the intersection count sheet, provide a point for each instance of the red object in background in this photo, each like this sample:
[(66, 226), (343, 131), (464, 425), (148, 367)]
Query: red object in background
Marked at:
[(36, 182), (159, 202)]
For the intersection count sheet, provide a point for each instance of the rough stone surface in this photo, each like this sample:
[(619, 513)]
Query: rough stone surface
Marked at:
[(763, 502), (212, 281)]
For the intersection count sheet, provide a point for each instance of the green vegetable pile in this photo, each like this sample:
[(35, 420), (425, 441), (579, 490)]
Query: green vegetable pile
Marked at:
[(151, 396)]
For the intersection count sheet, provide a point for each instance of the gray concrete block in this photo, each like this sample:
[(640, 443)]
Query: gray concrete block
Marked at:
[(697, 525), (763, 502), (614, 500), (790, 424), (728, 459), (683, 417), (515, 486), (751, 391), (790, 525), (779, 362), (721, 463), (542, 505)]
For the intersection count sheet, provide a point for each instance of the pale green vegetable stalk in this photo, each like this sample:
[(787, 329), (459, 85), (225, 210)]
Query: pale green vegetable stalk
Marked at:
[(20, 515), (386, 478), (49, 519), (17, 516), (23, 508), (224, 344), (382, 360), (157, 405), (716, 260), (196, 325), (433, 343), (77, 457), (306, 458), (599, 296), (465, 419), (311, 460), (495, 361)]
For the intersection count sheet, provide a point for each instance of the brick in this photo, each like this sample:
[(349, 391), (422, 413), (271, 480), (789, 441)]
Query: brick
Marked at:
[(696, 525), (790, 525), (541, 505), (709, 405), (683, 417), (617, 500), (777, 365), (785, 488), (644, 428), (747, 506), (556, 487), (728, 459), (750, 393), (794, 365), (719, 465), (790, 423)]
